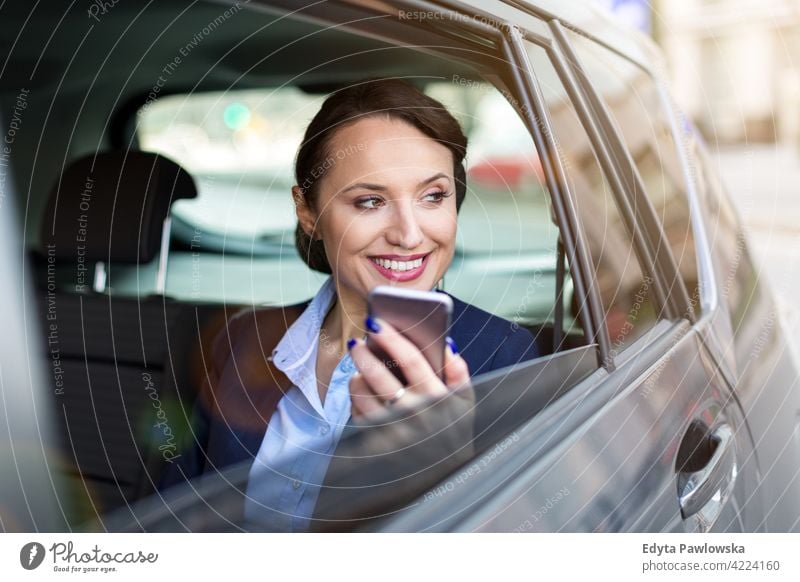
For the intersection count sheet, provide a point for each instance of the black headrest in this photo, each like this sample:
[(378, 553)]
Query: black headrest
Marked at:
[(112, 206)]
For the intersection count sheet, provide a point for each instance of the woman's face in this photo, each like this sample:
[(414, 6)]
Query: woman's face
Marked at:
[(386, 210)]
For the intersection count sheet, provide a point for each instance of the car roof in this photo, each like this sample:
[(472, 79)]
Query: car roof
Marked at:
[(41, 43)]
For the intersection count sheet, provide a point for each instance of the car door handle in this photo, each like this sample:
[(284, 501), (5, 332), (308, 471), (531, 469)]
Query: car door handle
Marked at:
[(703, 493)]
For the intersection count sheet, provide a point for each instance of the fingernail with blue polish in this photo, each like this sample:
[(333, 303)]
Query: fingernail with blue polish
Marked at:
[(451, 342), (372, 325), (350, 343)]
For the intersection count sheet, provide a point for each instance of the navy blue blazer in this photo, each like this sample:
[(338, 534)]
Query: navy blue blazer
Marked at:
[(243, 387)]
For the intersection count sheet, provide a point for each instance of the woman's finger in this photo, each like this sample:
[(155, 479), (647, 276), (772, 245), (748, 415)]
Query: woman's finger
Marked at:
[(363, 400), (456, 371), (377, 377)]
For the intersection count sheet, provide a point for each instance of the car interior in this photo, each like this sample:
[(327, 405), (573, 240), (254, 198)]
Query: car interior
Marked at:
[(156, 166)]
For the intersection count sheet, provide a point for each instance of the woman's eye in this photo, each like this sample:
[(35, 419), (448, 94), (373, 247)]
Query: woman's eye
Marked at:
[(368, 203), (436, 196)]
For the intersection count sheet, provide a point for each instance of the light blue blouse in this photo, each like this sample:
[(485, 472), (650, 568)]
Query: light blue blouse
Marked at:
[(290, 466)]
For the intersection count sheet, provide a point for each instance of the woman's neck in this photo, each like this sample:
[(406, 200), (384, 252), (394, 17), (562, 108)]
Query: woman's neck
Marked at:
[(344, 320)]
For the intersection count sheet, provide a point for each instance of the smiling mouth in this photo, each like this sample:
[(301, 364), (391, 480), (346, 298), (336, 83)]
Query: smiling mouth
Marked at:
[(399, 266), (399, 271)]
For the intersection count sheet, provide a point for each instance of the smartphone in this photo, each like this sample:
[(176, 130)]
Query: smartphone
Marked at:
[(423, 317)]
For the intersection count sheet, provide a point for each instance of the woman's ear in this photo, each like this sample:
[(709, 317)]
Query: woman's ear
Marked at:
[(305, 215)]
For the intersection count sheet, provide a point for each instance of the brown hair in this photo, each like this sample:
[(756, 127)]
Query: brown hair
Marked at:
[(385, 97)]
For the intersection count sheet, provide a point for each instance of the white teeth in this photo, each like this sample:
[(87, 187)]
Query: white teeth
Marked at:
[(399, 265)]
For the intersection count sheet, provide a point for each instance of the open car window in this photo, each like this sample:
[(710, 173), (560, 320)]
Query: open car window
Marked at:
[(240, 147)]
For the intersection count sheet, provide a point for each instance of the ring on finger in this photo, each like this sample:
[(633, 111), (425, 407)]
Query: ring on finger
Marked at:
[(395, 397)]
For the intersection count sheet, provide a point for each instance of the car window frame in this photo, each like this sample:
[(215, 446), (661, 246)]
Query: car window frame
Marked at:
[(654, 254), (591, 292), (634, 200), (523, 87), (538, 123)]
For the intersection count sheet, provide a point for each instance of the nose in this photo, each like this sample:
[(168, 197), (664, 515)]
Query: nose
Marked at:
[(405, 230)]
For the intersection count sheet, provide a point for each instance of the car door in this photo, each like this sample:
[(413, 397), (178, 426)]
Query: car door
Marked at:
[(654, 440)]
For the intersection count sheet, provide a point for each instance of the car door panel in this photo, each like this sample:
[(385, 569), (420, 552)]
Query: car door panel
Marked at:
[(617, 471)]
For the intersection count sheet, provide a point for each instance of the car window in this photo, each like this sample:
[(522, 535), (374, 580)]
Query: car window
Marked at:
[(638, 112), (626, 290)]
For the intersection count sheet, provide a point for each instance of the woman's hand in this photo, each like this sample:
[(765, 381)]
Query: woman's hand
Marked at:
[(396, 461), (374, 387)]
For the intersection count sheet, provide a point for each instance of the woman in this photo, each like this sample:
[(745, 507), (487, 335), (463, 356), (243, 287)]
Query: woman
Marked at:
[(380, 179)]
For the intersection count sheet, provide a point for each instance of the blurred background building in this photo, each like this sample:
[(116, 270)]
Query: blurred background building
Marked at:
[(734, 69), (735, 66)]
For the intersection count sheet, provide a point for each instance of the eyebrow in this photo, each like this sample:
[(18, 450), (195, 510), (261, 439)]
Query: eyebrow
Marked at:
[(381, 188)]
